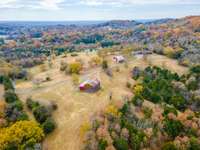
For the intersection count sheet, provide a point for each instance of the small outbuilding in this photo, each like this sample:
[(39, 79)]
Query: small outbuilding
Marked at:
[(90, 85), (119, 59)]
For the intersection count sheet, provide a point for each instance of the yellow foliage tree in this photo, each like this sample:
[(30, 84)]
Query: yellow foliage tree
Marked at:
[(169, 51), (75, 67), (172, 52), (21, 135), (112, 110), (84, 128), (138, 89), (95, 61)]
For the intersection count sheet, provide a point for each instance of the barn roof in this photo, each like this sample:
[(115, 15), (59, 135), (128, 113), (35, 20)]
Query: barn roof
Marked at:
[(93, 82)]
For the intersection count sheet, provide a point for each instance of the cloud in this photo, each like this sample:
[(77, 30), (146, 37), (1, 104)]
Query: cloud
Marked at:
[(31, 4), (135, 2), (7, 3), (51, 4), (59, 4)]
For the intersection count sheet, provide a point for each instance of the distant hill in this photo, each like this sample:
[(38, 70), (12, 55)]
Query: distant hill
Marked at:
[(159, 21), (190, 22), (123, 24)]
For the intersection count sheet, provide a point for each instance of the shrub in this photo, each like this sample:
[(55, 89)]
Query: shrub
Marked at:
[(169, 146), (195, 69), (84, 128), (128, 85), (135, 141), (112, 110), (48, 126), (20, 135), (138, 89), (7, 83), (104, 64), (168, 51), (178, 102), (10, 96), (22, 116), (75, 67), (63, 66), (48, 79), (147, 112), (173, 127), (1, 79), (124, 109), (169, 109), (41, 114), (54, 106), (96, 61), (31, 104), (137, 100), (194, 144), (13, 114), (136, 72), (102, 144), (121, 144), (18, 105), (74, 54), (193, 85)]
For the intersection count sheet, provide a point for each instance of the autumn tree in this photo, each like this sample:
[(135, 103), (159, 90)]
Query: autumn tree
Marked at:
[(21, 135), (75, 67)]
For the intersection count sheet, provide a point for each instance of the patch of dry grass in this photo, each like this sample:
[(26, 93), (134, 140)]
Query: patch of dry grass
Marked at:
[(1, 92), (75, 107)]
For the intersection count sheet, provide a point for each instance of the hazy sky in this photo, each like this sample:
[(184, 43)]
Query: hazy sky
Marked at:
[(59, 10)]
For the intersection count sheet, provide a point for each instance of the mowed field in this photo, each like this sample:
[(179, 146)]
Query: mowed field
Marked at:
[(75, 107)]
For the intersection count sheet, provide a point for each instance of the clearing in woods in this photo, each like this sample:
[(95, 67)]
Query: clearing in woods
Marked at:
[(75, 107)]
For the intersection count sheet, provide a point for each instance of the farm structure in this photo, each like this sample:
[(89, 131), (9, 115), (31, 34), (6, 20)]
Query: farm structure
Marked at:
[(119, 59), (90, 85)]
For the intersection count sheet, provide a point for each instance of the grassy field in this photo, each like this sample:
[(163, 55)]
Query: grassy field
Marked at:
[(75, 107)]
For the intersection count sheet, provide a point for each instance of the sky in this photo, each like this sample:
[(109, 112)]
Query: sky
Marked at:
[(73, 10)]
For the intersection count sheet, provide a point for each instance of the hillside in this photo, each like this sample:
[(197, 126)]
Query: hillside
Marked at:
[(119, 24), (116, 85), (74, 107)]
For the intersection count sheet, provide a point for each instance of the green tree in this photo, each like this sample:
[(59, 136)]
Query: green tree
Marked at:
[(173, 127), (121, 144), (48, 126), (169, 146), (10, 96), (102, 144), (41, 114), (7, 83)]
